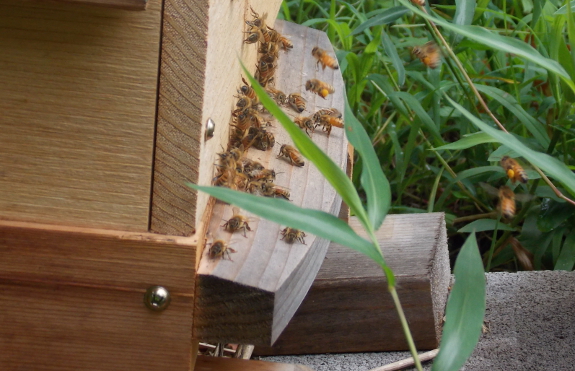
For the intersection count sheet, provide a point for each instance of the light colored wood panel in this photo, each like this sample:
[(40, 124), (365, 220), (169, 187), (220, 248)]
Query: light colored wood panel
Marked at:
[(96, 258), (61, 328), (78, 112), (121, 4), (205, 363), (349, 309), (273, 274), (202, 44)]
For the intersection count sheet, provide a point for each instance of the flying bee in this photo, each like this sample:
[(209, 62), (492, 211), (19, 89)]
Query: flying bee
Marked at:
[(237, 222), (325, 59), (306, 123), (296, 102), (428, 54), (326, 111), (327, 122), (291, 235), (507, 202), (219, 249), (278, 95), (513, 170), (292, 155), (319, 87)]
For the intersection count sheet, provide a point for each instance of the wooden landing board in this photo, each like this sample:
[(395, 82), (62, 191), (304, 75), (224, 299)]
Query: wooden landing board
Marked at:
[(205, 363), (202, 45), (120, 4), (73, 299), (348, 308), (78, 107), (251, 299)]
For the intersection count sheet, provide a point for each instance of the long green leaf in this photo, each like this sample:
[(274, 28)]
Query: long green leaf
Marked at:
[(391, 51), (334, 175), (468, 141), (372, 179), (316, 222), (548, 164), (566, 259), (386, 17), (483, 225), (504, 43), (416, 106), (464, 12), (465, 310)]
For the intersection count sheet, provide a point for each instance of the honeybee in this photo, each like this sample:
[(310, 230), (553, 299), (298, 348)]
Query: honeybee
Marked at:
[(278, 95), (256, 187), (280, 193), (264, 73), (236, 136), (514, 171), (276, 37), (327, 121), (270, 48), (296, 102), (219, 249), (224, 178), (247, 90), (428, 53), (326, 111), (237, 222), (240, 181), (292, 155), (254, 36), (306, 123), (319, 87), (251, 167), (291, 235), (259, 138), (324, 58), (266, 175), (507, 202)]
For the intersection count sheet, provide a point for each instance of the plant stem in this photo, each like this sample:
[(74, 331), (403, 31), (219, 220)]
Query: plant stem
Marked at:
[(405, 326)]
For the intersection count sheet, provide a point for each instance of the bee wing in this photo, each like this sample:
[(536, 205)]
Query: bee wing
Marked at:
[(489, 189), (524, 197), (235, 210)]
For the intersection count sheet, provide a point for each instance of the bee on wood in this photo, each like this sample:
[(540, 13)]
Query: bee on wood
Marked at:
[(513, 170), (327, 122), (297, 102), (256, 187), (247, 90), (326, 111), (277, 38), (280, 193), (265, 72), (306, 123), (240, 181), (266, 175), (270, 48), (259, 138), (278, 95), (291, 235), (237, 222), (319, 87), (507, 202), (219, 249), (325, 59), (224, 178), (428, 54), (250, 167), (292, 155), (236, 135), (254, 37)]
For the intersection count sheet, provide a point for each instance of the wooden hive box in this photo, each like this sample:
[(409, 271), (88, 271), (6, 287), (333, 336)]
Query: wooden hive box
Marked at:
[(103, 113)]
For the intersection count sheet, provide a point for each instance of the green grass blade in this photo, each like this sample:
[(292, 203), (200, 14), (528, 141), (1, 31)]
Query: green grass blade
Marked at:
[(372, 179), (548, 164), (503, 43), (316, 222), (464, 12), (386, 17), (416, 106), (566, 258), (391, 51), (483, 225), (564, 10), (465, 310), (334, 175), (468, 141)]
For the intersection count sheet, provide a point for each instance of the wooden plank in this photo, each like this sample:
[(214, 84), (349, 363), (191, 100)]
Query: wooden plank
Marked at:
[(120, 4), (348, 308), (205, 363), (200, 72), (78, 110), (251, 299), (76, 299)]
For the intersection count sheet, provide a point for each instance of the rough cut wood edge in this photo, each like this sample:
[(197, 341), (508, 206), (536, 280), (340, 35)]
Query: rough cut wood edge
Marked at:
[(120, 4), (199, 75), (205, 363), (76, 299), (348, 308), (273, 274)]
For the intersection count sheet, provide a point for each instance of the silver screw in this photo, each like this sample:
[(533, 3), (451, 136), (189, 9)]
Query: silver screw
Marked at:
[(210, 128), (157, 298)]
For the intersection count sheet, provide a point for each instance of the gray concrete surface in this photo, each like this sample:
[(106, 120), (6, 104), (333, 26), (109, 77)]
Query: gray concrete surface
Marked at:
[(531, 321)]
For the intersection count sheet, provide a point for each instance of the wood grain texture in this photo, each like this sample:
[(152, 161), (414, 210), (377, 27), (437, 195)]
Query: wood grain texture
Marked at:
[(76, 299), (120, 4), (202, 43), (251, 299), (348, 308), (205, 363), (78, 103)]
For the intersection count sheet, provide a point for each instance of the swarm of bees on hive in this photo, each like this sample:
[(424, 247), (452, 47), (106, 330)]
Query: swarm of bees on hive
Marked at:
[(251, 127)]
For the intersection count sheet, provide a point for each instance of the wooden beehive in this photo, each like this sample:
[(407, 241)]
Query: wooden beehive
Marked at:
[(103, 112)]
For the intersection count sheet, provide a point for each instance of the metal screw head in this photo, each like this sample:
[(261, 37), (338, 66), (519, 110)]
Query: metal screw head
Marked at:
[(157, 298), (210, 128)]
